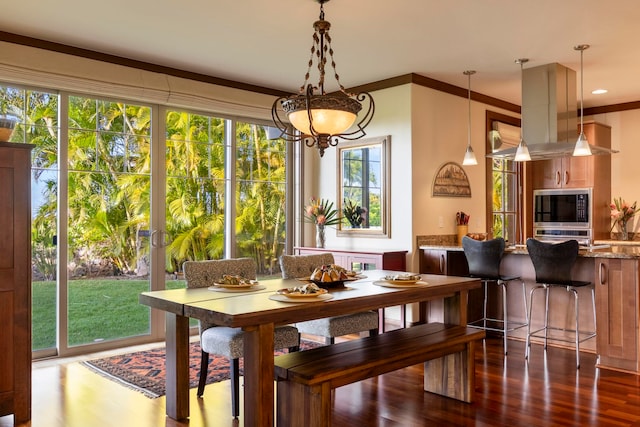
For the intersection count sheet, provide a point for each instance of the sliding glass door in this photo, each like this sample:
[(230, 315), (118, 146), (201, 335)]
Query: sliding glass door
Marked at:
[(123, 193)]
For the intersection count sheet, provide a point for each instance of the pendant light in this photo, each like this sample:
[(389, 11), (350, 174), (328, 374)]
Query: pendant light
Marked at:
[(522, 152), (319, 118), (469, 156), (582, 147)]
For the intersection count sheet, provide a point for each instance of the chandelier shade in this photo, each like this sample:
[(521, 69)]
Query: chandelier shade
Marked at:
[(320, 119), (330, 115)]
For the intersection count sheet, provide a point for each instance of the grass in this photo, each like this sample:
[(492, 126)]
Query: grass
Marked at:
[(99, 310)]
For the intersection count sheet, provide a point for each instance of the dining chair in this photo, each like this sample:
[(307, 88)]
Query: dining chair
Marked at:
[(222, 340), (484, 259), (296, 266), (553, 264)]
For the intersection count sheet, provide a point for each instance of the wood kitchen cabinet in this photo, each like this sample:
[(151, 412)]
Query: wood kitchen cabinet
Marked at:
[(583, 172), (362, 260), (443, 261), (577, 172), (15, 281), (616, 287)]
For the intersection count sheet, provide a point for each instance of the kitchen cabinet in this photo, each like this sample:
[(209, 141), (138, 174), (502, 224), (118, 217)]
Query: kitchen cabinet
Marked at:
[(15, 281), (362, 260), (577, 172), (583, 172), (616, 287), (451, 262), (443, 261)]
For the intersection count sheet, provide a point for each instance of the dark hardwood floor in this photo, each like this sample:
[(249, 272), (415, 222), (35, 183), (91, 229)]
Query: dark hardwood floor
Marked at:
[(547, 391)]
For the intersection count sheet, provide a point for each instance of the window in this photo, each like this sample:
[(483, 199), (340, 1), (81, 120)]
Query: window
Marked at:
[(504, 179), (110, 191)]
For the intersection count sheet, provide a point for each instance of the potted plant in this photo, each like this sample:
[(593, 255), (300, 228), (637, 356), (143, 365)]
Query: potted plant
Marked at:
[(8, 120)]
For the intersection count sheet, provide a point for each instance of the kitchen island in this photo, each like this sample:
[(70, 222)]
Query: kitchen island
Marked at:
[(611, 265)]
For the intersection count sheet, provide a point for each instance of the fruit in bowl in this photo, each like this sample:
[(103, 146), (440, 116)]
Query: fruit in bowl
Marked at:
[(477, 236), (331, 275)]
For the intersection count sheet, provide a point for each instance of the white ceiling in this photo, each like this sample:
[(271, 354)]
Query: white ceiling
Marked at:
[(267, 43)]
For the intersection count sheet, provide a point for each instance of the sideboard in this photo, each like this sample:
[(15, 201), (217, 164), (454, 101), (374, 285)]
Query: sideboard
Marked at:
[(362, 260)]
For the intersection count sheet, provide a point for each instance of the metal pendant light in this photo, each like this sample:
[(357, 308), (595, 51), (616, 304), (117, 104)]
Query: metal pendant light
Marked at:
[(320, 119), (582, 147), (469, 156), (522, 152)]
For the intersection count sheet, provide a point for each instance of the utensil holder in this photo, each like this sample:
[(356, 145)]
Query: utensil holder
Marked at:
[(462, 231)]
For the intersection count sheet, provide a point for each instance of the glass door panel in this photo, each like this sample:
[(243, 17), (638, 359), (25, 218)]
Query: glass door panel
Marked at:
[(260, 198), (108, 249)]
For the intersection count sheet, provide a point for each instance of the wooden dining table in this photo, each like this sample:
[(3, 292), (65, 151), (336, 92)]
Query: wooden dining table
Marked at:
[(257, 314)]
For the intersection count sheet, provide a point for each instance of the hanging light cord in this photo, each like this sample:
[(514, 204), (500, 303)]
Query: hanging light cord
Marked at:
[(469, 96), (581, 93)]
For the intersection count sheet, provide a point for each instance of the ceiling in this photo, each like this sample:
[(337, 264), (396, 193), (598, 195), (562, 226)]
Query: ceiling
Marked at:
[(267, 43)]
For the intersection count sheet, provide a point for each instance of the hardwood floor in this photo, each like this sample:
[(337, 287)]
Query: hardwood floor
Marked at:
[(547, 391)]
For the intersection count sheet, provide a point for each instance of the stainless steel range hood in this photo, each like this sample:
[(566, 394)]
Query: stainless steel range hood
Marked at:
[(549, 114)]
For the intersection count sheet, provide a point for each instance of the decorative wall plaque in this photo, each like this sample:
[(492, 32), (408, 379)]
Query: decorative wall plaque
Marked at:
[(451, 181)]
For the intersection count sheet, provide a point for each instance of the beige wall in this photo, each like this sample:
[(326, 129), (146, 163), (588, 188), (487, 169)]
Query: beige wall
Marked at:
[(392, 117), (625, 165)]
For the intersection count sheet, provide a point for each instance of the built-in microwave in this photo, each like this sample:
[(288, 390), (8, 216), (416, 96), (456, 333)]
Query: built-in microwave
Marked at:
[(562, 214)]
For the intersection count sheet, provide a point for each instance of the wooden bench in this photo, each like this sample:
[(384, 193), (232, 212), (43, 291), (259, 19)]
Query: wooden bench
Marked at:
[(305, 379)]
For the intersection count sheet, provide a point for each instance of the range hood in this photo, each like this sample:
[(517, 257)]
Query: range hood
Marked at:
[(549, 114)]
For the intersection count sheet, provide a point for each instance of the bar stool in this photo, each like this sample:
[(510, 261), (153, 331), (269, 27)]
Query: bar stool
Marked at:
[(553, 263), (484, 259)]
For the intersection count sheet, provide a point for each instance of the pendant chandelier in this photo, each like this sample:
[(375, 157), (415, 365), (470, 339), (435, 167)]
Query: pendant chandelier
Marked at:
[(522, 152), (582, 147), (469, 155), (319, 118)]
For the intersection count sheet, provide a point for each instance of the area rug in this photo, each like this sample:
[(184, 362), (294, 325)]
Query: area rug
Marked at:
[(144, 371)]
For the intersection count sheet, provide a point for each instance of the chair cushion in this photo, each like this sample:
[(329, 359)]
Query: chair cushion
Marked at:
[(229, 342), (340, 325)]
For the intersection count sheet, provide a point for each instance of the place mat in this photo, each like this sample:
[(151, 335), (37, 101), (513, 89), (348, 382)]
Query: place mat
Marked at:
[(419, 284), (284, 298), (250, 289)]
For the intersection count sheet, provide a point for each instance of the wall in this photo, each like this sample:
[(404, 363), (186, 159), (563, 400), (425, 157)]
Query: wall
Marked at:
[(392, 117), (625, 133), (428, 128)]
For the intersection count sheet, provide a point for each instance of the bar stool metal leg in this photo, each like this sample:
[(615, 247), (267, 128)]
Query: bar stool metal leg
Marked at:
[(503, 285)]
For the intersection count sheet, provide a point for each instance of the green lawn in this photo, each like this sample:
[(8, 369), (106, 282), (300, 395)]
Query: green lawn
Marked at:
[(99, 309)]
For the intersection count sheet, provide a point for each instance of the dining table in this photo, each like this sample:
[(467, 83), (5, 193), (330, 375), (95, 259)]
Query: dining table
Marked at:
[(258, 311)]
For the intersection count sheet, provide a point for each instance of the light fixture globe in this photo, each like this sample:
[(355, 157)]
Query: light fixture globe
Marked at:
[(330, 114), (522, 152), (469, 155), (319, 118), (582, 147)]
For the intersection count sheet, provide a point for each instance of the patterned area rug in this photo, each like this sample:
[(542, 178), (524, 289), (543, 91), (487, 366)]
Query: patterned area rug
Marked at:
[(144, 371)]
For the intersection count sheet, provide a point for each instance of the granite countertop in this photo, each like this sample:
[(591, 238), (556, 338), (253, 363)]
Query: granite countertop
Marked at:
[(616, 249)]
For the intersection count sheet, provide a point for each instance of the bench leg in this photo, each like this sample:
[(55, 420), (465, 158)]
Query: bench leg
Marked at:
[(452, 375), (300, 405)]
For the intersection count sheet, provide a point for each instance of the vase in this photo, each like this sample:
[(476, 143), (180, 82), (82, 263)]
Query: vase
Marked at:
[(624, 233), (319, 236)]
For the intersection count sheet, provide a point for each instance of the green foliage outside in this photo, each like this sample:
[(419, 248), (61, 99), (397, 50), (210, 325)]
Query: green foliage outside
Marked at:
[(109, 167)]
